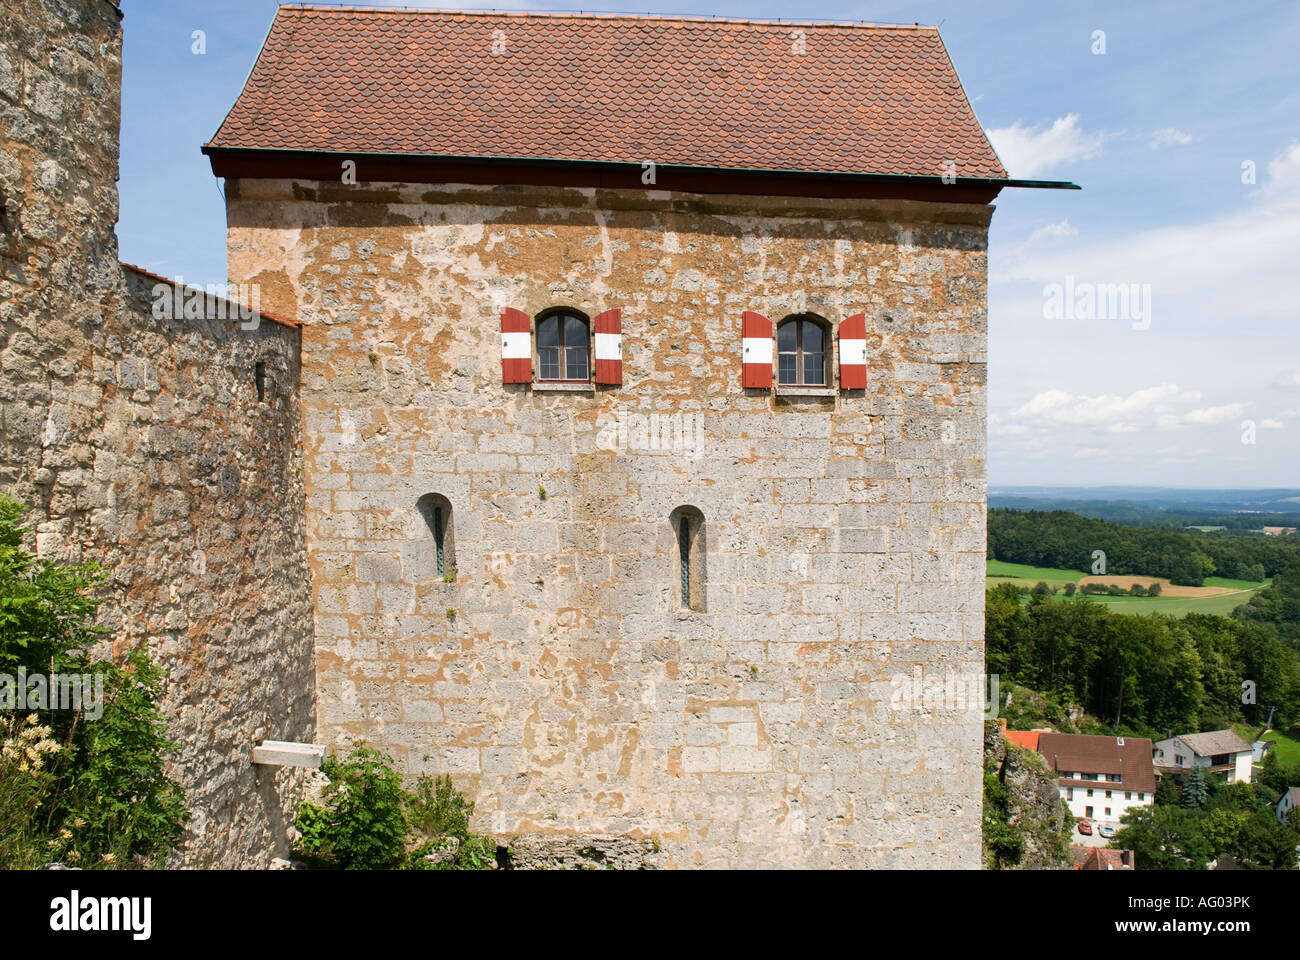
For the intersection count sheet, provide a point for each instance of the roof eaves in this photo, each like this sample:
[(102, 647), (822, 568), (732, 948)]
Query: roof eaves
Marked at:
[(214, 149)]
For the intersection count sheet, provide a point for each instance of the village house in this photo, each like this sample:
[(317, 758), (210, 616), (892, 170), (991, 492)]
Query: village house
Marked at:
[(1221, 752), (1289, 800), (1100, 778)]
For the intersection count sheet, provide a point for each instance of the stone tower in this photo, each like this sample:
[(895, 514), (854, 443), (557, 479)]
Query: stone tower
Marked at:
[(644, 409)]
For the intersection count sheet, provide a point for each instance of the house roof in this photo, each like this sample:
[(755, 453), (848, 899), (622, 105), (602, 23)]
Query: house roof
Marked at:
[(1024, 738), (1214, 743), (1077, 753), (690, 92), (1099, 858)]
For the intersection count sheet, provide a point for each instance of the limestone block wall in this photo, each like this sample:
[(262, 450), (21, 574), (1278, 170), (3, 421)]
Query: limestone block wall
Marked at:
[(60, 83), (140, 441), (556, 677), (201, 521)]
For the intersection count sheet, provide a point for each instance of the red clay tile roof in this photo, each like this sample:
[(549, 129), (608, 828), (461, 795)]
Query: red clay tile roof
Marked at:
[(1076, 753), (1024, 738), (1098, 858), (617, 88)]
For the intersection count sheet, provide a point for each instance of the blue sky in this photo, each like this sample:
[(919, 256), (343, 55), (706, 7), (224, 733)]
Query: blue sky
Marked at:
[(1197, 384)]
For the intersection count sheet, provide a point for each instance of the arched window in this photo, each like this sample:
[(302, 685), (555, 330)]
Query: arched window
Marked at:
[(689, 551), (436, 511), (563, 345), (802, 350)]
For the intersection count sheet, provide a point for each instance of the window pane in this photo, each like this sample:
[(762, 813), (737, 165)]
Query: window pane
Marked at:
[(785, 336), (548, 332), (813, 368), (812, 337), (550, 358), (575, 333), (788, 368), (577, 363)]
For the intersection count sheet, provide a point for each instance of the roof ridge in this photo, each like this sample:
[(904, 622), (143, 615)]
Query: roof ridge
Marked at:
[(604, 15)]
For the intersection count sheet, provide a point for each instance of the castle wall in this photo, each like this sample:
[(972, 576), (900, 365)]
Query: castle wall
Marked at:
[(556, 677), (140, 441)]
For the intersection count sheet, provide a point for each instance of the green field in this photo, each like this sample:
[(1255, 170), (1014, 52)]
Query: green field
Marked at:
[(1174, 606), (1236, 584), (1023, 575), (1017, 572), (1287, 750)]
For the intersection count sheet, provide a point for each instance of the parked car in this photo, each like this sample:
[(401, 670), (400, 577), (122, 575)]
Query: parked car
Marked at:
[(1085, 828), (1106, 830)]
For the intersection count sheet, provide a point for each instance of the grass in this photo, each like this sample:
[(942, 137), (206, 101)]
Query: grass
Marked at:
[(1026, 575), (1237, 584), (1287, 750), (1016, 572), (1221, 605), (1023, 575)]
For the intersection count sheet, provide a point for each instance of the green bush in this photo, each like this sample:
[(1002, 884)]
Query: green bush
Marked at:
[(90, 793), (361, 824), (367, 821)]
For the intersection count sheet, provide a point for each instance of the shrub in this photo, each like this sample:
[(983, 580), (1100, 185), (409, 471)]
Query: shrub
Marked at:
[(367, 821), (361, 824), (89, 792)]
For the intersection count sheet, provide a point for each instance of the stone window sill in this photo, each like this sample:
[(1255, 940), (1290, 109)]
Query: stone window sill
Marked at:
[(805, 391), (560, 387)]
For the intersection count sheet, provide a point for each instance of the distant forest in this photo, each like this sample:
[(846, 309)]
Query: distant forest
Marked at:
[(1067, 540), (1156, 675), (1144, 515)]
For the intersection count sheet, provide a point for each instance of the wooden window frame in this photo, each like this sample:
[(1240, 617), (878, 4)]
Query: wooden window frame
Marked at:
[(558, 314), (799, 319)]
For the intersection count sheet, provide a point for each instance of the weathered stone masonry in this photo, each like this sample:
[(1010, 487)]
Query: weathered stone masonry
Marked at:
[(141, 442), (569, 693)]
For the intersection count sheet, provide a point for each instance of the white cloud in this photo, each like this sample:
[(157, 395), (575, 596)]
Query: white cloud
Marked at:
[(1166, 421), (1028, 151), (1288, 381), (1270, 424), (1060, 406), (1052, 231), (1168, 137), (1210, 415)]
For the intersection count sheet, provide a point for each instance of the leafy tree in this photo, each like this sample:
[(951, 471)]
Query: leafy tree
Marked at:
[(1167, 792), (1264, 844), (1164, 837), (1222, 828)]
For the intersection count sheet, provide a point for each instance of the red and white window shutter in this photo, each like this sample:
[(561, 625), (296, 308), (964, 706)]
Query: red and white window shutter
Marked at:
[(853, 352), (609, 346), (755, 350), (516, 346)]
